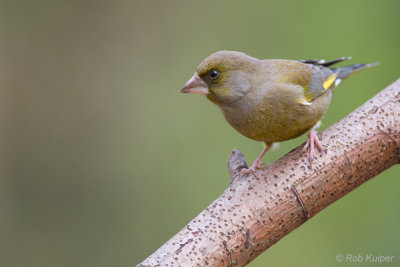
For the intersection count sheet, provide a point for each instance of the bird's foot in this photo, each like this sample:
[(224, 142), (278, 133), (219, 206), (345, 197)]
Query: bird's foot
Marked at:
[(312, 139), (257, 165)]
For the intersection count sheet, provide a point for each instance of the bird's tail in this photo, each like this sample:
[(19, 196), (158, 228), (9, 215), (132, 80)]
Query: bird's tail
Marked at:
[(340, 73), (343, 73)]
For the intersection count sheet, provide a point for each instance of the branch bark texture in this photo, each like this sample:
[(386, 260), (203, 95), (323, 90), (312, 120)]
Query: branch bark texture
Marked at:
[(257, 210)]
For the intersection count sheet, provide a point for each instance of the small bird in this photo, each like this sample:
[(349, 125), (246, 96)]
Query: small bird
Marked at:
[(270, 100)]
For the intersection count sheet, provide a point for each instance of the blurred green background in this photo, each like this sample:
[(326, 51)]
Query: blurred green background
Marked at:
[(102, 160)]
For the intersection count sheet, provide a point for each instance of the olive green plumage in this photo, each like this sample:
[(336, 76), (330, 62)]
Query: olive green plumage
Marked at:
[(268, 100)]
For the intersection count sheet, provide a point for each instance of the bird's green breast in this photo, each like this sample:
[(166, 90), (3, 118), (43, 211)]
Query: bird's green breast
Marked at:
[(276, 116)]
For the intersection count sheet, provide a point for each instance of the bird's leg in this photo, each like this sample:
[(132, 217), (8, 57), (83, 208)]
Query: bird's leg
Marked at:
[(312, 138), (257, 164)]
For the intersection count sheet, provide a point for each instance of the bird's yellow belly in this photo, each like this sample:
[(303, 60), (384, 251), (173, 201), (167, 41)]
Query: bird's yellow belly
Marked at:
[(280, 121)]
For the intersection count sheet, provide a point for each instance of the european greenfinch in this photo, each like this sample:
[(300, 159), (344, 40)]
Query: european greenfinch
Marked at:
[(270, 100)]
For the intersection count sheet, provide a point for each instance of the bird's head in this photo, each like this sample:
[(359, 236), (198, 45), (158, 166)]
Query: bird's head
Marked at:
[(223, 77)]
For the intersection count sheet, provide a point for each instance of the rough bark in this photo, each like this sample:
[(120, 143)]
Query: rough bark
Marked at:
[(257, 210)]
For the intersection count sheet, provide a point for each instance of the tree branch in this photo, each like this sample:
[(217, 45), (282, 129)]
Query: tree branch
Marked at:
[(256, 211)]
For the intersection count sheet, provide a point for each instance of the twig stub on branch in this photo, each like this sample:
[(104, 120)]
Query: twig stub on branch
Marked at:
[(236, 163)]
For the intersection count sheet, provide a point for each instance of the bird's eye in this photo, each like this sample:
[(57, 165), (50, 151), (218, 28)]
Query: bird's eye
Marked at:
[(213, 74)]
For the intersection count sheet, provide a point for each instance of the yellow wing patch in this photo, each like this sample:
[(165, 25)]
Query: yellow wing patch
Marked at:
[(309, 96), (328, 82)]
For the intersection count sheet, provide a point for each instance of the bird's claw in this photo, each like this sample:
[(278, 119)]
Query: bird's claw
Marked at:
[(257, 165), (312, 139)]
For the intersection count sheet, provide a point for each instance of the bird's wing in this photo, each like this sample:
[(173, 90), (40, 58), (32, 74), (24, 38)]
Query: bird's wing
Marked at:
[(312, 76), (323, 77), (322, 62)]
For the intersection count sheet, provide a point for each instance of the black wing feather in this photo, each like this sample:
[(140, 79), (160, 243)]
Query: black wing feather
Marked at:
[(321, 62)]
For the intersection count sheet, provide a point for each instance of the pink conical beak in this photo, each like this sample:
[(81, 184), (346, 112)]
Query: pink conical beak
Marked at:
[(195, 86)]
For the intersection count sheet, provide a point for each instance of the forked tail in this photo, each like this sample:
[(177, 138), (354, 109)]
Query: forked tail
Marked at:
[(343, 73), (339, 73)]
